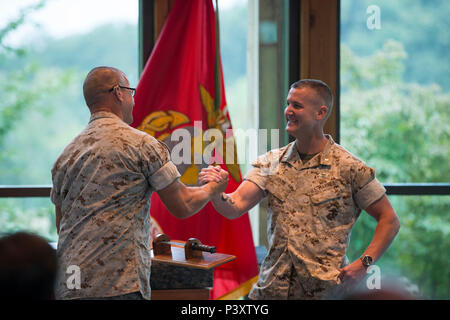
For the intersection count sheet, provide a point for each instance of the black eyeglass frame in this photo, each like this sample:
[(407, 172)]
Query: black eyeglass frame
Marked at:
[(123, 87)]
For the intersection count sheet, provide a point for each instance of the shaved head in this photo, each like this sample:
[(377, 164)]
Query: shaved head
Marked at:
[(97, 83)]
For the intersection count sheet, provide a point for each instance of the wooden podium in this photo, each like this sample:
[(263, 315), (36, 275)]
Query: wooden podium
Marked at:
[(183, 270)]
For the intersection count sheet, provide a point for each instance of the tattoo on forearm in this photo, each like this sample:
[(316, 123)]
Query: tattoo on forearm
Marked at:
[(227, 198)]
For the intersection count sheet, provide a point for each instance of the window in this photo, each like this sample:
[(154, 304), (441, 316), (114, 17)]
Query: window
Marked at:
[(395, 97), (233, 19), (238, 21), (46, 50), (395, 87)]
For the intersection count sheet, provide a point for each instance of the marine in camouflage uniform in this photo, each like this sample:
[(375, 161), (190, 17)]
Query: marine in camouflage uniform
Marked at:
[(102, 184), (312, 208), (316, 190)]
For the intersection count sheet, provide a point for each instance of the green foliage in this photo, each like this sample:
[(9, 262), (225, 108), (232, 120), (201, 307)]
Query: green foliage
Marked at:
[(377, 107), (421, 26), (33, 215), (27, 89), (14, 25), (402, 130)]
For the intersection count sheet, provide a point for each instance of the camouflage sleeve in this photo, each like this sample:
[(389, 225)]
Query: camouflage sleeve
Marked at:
[(55, 193), (255, 176), (366, 187), (156, 164), (54, 197), (263, 167)]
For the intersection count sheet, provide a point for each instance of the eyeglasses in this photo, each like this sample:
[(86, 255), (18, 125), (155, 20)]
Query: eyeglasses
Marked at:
[(122, 87)]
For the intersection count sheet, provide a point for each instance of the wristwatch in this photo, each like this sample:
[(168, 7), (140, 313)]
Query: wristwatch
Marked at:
[(366, 260)]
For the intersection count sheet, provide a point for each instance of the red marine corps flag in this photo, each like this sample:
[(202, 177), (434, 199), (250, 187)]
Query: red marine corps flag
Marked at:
[(180, 100)]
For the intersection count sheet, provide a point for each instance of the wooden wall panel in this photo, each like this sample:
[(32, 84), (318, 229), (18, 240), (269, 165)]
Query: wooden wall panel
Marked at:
[(161, 11), (152, 16), (319, 50)]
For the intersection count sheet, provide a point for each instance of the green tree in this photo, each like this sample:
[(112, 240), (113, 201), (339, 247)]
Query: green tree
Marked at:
[(22, 87), (403, 130), (421, 26), (26, 88), (13, 104)]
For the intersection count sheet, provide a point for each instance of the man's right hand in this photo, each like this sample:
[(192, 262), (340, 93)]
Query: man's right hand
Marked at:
[(183, 201), (211, 174), (216, 177)]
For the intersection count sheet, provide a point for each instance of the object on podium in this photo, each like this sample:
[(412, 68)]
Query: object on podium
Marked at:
[(183, 270)]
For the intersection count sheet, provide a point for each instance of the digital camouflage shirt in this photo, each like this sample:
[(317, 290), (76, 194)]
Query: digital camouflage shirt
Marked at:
[(103, 181), (311, 210)]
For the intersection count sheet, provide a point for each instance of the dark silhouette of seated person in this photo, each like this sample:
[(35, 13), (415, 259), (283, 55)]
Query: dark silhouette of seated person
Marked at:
[(28, 267)]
